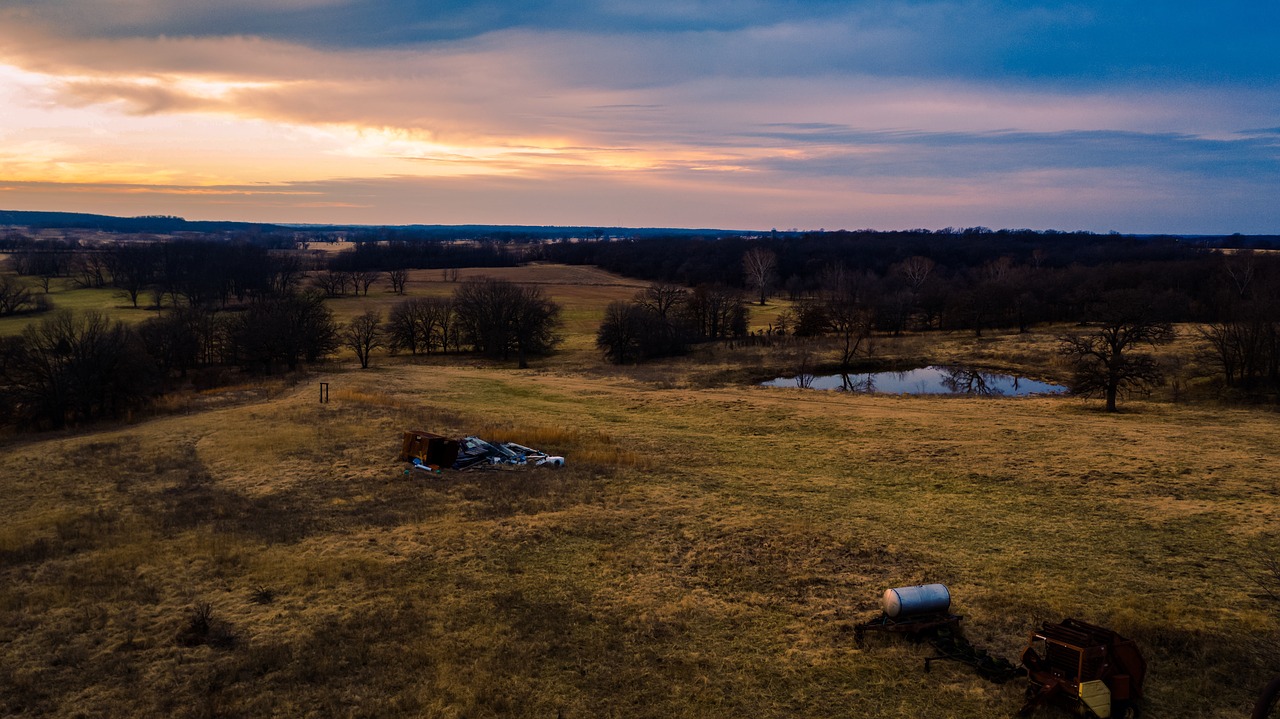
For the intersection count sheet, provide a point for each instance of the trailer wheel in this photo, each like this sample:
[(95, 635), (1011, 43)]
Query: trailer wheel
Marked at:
[(1123, 709), (1266, 705)]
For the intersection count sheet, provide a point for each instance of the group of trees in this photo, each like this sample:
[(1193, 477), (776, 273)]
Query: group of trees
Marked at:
[(972, 279), (664, 319), (223, 305), (17, 298), (242, 305), (1123, 293), (1243, 341), (423, 324), (72, 367), (179, 272), (497, 318), (1234, 301)]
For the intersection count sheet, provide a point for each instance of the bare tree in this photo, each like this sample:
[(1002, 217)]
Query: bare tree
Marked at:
[(661, 298), (332, 282), (916, 270), (398, 277), (405, 327), (715, 312), (760, 265), (16, 297), (90, 268), (362, 280), (363, 335), (1240, 266), (285, 272), (133, 267), (852, 323), (846, 310), (804, 369), (1104, 362)]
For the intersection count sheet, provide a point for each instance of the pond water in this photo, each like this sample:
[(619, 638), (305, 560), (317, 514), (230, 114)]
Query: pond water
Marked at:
[(926, 380)]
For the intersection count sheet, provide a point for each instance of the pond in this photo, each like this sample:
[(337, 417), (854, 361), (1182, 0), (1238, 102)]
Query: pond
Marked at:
[(926, 380)]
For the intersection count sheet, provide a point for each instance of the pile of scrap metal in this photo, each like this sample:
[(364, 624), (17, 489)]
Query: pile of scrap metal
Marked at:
[(476, 452), (433, 453), (1084, 668)]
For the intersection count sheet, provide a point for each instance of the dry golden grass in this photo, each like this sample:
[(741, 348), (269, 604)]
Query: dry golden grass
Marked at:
[(705, 552), (723, 577)]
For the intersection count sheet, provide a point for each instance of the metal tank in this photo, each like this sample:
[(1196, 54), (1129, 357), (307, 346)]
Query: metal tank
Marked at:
[(904, 602)]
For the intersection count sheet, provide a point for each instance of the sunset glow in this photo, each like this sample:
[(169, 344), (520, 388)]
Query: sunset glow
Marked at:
[(834, 115)]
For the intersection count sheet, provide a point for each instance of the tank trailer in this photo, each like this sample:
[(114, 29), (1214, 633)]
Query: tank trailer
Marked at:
[(1072, 664)]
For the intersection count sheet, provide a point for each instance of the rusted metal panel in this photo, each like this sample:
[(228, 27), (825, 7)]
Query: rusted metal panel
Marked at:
[(431, 449)]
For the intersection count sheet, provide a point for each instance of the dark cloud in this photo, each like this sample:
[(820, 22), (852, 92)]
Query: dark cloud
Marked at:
[(842, 151), (1049, 40)]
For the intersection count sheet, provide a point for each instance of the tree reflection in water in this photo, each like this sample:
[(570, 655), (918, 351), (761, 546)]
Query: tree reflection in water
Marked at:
[(966, 380), (924, 380)]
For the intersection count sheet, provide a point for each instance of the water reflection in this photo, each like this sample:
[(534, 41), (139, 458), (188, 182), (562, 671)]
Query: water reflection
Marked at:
[(926, 380)]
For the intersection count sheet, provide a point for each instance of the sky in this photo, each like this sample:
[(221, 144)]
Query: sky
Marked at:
[(735, 114)]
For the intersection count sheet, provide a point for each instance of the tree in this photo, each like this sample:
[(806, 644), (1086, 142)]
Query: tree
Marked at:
[(15, 297), (916, 270), (71, 367), (1104, 362), (363, 335), (851, 322), (405, 328), (362, 280), (132, 269), (662, 298), (499, 317), (180, 339), (759, 265), (634, 332), (714, 312), (398, 277), (845, 310), (89, 268), (332, 283), (535, 320), (279, 330)]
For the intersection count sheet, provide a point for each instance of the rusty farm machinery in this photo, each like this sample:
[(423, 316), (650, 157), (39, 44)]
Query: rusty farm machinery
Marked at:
[(1072, 664)]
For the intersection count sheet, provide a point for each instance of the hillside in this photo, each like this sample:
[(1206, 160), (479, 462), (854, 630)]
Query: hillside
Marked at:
[(706, 552)]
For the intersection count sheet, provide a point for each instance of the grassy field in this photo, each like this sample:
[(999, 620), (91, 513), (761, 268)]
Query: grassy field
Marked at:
[(706, 552)]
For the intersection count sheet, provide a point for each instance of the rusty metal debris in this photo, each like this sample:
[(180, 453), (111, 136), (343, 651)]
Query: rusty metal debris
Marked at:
[(429, 449), (434, 452), (1083, 667)]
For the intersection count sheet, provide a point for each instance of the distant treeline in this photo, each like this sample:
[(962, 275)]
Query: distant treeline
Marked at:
[(156, 224), (394, 254), (958, 279), (170, 225), (850, 284)]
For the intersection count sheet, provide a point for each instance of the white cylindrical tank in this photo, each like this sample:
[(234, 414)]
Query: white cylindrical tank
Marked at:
[(920, 599)]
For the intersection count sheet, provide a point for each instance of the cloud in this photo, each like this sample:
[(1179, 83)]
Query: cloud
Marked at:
[(1080, 42), (770, 110), (835, 150)]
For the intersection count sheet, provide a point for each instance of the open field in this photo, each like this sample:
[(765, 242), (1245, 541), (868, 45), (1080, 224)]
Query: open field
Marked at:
[(583, 293), (705, 553)]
